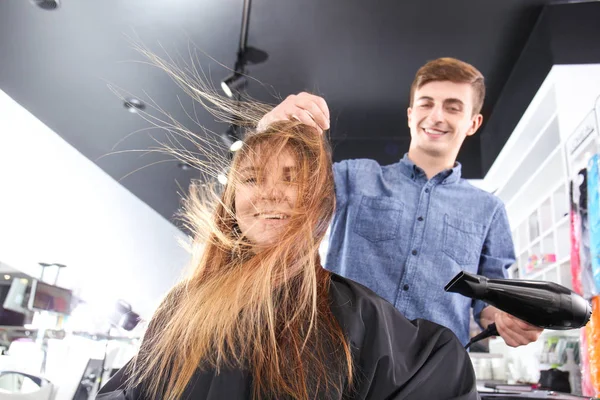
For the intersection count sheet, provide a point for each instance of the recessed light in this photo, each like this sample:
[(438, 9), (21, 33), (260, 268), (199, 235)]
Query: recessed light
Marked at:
[(185, 166), (222, 179), (47, 4), (6, 277), (134, 105)]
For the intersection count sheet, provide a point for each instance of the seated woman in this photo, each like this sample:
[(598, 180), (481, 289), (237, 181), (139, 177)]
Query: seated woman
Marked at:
[(259, 318)]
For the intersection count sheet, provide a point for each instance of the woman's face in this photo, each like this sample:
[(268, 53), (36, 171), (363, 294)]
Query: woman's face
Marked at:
[(265, 196)]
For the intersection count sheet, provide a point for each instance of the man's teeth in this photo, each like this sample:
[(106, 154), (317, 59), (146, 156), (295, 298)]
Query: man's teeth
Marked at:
[(432, 132)]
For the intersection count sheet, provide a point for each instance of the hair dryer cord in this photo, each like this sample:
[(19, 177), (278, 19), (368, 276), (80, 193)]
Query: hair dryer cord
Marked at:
[(487, 332)]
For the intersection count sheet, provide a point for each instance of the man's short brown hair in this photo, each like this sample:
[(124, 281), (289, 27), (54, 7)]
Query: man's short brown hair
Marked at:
[(453, 70)]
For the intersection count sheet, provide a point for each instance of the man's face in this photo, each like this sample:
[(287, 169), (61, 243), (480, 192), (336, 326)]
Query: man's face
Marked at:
[(441, 118)]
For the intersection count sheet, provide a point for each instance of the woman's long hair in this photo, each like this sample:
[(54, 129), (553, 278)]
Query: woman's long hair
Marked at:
[(263, 310)]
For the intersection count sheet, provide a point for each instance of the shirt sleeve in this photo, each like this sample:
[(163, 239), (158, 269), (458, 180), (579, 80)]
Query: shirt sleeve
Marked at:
[(497, 255), (341, 176)]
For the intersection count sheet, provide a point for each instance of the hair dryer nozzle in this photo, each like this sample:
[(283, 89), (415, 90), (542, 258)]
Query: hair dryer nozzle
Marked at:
[(473, 286), (544, 304)]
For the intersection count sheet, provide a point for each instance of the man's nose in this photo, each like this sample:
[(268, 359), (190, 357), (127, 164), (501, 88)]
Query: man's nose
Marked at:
[(436, 114)]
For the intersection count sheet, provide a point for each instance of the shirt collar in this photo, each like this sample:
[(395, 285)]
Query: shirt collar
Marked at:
[(412, 171)]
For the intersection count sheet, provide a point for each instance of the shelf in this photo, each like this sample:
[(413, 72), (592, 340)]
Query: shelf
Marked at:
[(563, 260), (535, 242), (570, 333), (485, 355), (536, 273), (564, 219), (536, 190)]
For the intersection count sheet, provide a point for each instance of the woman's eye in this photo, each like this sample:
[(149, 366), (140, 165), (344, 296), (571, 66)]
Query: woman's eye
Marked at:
[(290, 178), (250, 181)]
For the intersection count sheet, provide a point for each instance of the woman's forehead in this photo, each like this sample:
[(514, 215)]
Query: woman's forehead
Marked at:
[(269, 159)]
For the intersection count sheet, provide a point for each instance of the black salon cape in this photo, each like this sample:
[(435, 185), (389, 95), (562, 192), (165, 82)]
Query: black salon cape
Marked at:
[(394, 358)]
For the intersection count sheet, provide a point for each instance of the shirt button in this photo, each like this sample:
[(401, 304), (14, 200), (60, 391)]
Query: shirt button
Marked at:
[(405, 287), (414, 252), (426, 190), (420, 219)]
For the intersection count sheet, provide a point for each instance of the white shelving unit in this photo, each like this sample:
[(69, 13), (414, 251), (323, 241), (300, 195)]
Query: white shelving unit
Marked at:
[(534, 187), (545, 231), (530, 176)]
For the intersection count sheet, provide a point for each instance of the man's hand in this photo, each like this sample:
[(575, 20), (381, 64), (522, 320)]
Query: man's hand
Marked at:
[(305, 107), (513, 330)]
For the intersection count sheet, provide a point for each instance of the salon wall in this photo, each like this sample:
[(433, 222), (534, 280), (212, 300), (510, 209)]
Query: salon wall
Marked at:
[(58, 206), (577, 90)]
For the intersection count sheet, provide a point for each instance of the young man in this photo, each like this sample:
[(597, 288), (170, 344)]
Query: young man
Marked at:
[(406, 229)]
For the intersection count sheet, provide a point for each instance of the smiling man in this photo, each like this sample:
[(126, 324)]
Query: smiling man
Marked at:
[(404, 230)]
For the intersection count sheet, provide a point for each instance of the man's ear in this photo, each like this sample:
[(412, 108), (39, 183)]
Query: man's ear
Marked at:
[(475, 124), (408, 112)]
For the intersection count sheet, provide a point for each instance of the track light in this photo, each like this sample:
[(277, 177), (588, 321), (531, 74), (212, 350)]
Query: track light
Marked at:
[(235, 146), (185, 166), (232, 139), (233, 83), (222, 178)]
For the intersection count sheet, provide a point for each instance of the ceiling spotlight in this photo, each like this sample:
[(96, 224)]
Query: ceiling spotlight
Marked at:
[(6, 277), (233, 83), (222, 179), (134, 105), (235, 146), (47, 4), (231, 138)]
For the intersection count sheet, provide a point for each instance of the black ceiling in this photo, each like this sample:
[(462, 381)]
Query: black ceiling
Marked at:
[(361, 56)]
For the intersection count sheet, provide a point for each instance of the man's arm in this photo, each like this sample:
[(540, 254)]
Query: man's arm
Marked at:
[(496, 256)]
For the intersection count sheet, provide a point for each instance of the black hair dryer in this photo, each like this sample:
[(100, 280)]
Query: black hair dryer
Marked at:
[(544, 304)]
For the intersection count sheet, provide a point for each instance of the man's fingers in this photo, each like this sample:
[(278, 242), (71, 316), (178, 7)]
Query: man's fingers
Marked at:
[(516, 332), (319, 102), (526, 326), (303, 116), (304, 107), (322, 104), (510, 337), (314, 110)]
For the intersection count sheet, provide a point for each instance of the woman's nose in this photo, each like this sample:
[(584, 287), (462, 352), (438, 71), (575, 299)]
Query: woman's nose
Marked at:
[(272, 191)]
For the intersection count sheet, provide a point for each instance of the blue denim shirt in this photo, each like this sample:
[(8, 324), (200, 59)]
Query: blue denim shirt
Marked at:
[(405, 237)]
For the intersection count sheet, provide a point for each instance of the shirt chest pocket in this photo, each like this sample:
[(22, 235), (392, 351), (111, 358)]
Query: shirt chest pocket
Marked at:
[(378, 218), (463, 240)]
